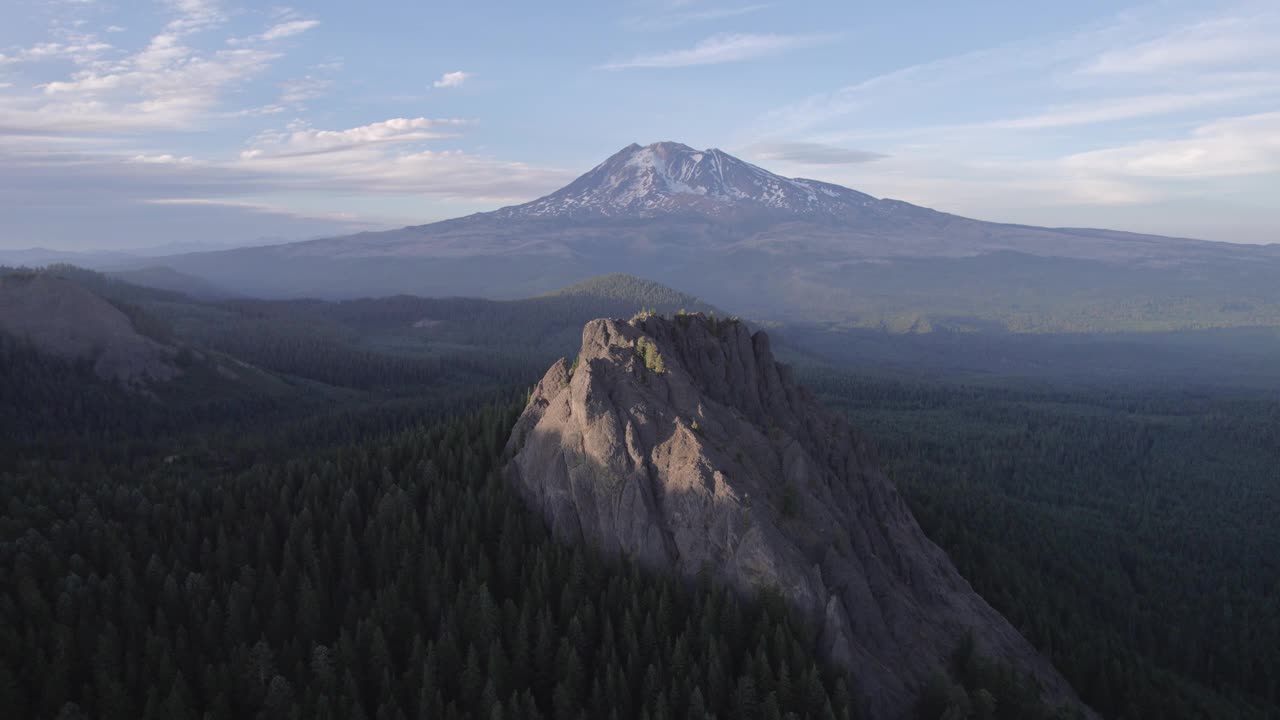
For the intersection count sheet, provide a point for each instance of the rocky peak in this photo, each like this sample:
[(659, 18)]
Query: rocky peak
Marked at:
[(672, 178), (681, 442)]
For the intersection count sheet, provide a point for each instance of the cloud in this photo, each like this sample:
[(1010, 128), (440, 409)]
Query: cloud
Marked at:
[(194, 15), (300, 181), (390, 157), (82, 52), (1247, 145), (813, 153), (1213, 42), (166, 85), (297, 91), (1128, 108), (309, 141), (258, 208), (288, 29), (723, 48), (669, 20), (279, 31), (165, 159), (451, 79), (1147, 110)]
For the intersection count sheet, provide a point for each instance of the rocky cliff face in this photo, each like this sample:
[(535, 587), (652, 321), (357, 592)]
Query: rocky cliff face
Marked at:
[(682, 443)]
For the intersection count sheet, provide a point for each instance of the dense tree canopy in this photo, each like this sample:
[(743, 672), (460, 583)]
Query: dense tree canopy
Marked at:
[(1130, 536)]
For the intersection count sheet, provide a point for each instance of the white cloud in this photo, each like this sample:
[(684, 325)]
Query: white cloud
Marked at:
[(390, 157), (451, 79), (194, 15), (1019, 127), (84, 51), (258, 207), (289, 29), (812, 153), (299, 90), (669, 20), (1248, 145), (164, 159), (309, 141), (1128, 108), (1212, 42), (723, 48), (281, 30), (167, 84)]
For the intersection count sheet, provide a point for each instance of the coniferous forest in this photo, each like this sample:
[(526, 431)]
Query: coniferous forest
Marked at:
[(329, 536)]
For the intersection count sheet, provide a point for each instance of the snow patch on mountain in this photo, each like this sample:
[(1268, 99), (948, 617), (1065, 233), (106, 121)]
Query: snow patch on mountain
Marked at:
[(671, 178)]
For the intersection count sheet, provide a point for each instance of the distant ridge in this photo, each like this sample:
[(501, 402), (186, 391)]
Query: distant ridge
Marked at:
[(62, 318), (629, 288), (778, 248)]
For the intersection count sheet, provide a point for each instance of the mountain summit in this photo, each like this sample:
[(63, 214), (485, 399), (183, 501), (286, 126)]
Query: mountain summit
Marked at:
[(769, 246), (680, 442), (669, 178)]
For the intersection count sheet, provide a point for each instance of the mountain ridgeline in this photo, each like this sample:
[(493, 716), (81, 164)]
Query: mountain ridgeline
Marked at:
[(789, 249), (680, 443)]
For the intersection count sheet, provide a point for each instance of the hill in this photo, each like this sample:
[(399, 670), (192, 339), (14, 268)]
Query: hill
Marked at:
[(165, 278), (62, 318)]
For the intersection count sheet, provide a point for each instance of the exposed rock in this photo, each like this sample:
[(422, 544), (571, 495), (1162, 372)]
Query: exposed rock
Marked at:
[(62, 318), (682, 443)]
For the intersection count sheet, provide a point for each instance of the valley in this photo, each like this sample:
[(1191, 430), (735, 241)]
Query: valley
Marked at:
[(1071, 508), (656, 360)]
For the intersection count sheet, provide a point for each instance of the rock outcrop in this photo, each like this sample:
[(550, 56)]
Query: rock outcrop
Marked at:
[(682, 443)]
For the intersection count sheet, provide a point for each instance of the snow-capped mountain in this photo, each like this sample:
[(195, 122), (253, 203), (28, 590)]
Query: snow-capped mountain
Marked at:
[(668, 178), (738, 235)]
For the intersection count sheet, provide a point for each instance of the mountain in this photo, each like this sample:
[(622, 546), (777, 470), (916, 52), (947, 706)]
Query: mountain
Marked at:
[(681, 443), (62, 318), (164, 278), (668, 178), (781, 248)]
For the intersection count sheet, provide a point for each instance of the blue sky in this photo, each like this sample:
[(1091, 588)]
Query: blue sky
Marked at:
[(132, 124)]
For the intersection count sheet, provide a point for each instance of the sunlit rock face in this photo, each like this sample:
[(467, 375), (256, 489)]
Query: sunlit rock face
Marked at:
[(682, 443)]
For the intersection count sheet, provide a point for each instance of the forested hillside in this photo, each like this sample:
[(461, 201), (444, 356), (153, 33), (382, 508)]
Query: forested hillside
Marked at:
[(352, 583), (1130, 535), (304, 535)]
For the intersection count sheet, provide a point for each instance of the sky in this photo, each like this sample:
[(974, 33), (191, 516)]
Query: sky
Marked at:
[(131, 124)]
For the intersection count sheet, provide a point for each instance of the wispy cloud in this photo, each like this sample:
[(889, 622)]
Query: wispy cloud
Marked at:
[(668, 19), (87, 50), (309, 141), (724, 48), (1119, 114), (1210, 43), (259, 207), (1248, 145), (167, 84), (451, 79), (288, 29), (812, 153), (392, 157), (1128, 108)]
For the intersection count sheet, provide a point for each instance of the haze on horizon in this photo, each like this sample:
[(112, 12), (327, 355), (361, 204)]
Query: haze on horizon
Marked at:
[(188, 121)]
